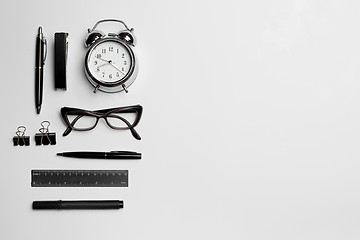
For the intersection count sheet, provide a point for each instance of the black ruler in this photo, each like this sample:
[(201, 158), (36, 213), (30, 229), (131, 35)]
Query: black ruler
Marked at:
[(79, 178)]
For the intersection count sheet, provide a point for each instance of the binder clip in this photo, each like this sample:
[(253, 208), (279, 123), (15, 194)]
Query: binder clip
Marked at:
[(20, 139), (45, 137)]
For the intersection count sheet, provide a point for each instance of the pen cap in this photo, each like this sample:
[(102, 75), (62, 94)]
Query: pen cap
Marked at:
[(123, 155)]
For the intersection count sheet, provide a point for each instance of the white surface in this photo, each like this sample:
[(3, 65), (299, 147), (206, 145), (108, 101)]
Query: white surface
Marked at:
[(250, 127)]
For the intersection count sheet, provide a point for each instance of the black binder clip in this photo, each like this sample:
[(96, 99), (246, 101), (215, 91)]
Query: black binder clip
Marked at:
[(45, 137), (20, 139)]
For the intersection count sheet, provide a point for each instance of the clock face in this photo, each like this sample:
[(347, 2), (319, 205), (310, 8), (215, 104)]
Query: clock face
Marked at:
[(109, 61)]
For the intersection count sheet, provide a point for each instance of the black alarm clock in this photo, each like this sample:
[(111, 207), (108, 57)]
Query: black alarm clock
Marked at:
[(110, 62)]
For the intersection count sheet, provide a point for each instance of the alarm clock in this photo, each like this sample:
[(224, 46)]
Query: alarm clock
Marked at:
[(110, 61)]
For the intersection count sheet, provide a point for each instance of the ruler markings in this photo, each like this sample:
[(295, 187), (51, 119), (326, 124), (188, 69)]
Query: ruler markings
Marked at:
[(79, 178)]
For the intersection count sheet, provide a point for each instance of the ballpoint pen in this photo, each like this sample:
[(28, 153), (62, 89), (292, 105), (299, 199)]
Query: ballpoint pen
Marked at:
[(103, 155), (39, 70)]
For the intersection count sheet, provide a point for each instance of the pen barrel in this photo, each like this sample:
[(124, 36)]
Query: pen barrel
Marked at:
[(92, 204), (39, 56), (39, 62), (38, 85), (93, 155)]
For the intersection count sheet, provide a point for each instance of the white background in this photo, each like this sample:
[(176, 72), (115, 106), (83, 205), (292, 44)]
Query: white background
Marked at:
[(250, 127)]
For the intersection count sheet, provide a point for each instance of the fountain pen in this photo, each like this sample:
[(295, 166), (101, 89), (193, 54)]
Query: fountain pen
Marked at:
[(103, 155)]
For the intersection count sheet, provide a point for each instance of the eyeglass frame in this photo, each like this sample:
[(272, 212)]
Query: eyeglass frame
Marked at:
[(103, 113)]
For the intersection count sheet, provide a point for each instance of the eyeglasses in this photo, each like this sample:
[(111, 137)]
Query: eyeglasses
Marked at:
[(120, 118)]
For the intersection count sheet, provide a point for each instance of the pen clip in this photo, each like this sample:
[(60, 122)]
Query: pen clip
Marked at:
[(45, 43), (124, 152)]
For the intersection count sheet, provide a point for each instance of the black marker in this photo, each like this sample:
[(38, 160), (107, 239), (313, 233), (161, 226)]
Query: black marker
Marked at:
[(89, 204)]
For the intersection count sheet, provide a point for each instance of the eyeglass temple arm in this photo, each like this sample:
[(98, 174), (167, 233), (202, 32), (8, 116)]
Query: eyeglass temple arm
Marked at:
[(132, 129), (69, 128)]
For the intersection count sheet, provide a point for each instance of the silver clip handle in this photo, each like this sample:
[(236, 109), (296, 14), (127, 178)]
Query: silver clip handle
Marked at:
[(45, 54)]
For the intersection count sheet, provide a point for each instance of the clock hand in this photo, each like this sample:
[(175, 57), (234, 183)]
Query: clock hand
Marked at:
[(103, 59), (102, 65), (112, 64)]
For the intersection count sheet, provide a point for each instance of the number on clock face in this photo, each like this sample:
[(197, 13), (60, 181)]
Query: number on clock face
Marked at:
[(109, 61)]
